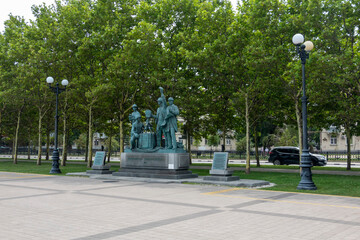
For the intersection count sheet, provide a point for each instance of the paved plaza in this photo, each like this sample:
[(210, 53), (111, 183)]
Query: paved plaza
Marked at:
[(62, 207)]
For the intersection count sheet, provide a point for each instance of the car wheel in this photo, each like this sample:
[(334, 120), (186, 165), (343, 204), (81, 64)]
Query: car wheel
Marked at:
[(277, 162)]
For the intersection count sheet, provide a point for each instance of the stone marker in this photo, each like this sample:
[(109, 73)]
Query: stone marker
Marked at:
[(219, 171), (220, 161), (99, 158), (99, 166)]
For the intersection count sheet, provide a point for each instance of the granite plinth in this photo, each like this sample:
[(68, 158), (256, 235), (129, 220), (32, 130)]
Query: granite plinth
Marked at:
[(221, 178), (153, 173), (221, 172), (102, 169), (155, 165), (141, 160)]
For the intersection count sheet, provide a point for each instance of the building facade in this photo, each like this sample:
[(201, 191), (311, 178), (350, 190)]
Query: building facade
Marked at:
[(335, 140)]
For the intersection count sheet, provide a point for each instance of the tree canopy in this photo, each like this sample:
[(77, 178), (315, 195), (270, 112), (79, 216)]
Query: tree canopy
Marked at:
[(228, 70)]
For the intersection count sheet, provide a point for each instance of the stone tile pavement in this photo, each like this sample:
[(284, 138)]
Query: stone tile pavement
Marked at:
[(58, 207)]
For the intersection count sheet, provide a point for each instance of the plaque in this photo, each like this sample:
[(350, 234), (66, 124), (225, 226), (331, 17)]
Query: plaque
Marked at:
[(220, 161), (99, 158)]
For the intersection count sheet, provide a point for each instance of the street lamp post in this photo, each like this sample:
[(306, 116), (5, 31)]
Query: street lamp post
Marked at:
[(306, 182), (57, 90)]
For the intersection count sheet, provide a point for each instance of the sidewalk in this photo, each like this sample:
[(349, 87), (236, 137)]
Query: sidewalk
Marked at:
[(59, 207)]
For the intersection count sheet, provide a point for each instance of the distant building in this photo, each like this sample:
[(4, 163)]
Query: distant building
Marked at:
[(202, 145), (334, 139)]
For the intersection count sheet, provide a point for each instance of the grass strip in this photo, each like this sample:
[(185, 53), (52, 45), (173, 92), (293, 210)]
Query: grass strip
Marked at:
[(326, 184), (281, 167), (44, 168)]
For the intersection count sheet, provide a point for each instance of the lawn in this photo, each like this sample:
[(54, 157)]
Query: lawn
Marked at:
[(44, 168), (281, 167), (326, 184)]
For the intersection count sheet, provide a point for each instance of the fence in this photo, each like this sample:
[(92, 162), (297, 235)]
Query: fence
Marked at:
[(330, 155), (340, 155), (232, 155), (70, 152)]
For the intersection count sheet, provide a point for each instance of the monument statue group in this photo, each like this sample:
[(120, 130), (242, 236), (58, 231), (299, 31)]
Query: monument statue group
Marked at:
[(149, 155), (143, 137)]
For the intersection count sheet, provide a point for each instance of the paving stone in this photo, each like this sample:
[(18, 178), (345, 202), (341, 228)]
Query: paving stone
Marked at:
[(59, 207)]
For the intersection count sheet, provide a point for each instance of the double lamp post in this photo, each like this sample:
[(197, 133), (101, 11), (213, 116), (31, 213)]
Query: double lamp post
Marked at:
[(57, 90), (306, 182)]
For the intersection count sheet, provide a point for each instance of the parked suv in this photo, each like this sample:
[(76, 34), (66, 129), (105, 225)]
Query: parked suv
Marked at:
[(290, 155)]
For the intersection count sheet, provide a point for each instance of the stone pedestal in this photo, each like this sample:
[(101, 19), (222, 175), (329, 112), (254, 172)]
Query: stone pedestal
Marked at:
[(166, 165), (103, 169), (221, 175), (221, 178)]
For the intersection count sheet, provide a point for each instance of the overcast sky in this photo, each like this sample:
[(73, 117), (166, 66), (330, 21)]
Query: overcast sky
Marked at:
[(23, 8)]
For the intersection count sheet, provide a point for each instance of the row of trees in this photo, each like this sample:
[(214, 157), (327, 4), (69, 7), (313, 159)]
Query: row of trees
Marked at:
[(227, 70)]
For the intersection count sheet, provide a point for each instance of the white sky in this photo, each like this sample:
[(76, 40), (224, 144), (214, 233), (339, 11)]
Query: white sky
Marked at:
[(23, 8)]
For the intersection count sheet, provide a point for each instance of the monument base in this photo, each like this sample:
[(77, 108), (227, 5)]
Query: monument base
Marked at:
[(155, 165), (153, 173), (104, 169), (221, 172), (221, 178)]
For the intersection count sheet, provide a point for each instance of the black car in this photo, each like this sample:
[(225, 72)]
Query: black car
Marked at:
[(290, 155)]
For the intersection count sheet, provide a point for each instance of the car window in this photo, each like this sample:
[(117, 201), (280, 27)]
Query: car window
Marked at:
[(294, 151), (283, 150), (288, 150)]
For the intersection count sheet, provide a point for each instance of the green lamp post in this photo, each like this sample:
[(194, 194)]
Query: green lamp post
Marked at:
[(57, 90), (303, 49)]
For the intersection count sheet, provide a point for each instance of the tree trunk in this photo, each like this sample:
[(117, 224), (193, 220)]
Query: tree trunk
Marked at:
[(247, 169), (47, 144), (224, 139), (256, 148), (17, 137), (38, 162), (65, 138), (121, 131), (65, 133), (90, 146), (348, 148), (86, 147), (1, 111), (28, 153), (188, 145), (109, 149), (13, 150), (299, 126)]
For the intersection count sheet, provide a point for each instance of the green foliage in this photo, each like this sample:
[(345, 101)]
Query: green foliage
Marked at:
[(115, 145), (213, 140), (215, 62), (287, 136), (81, 141), (241, 145)]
